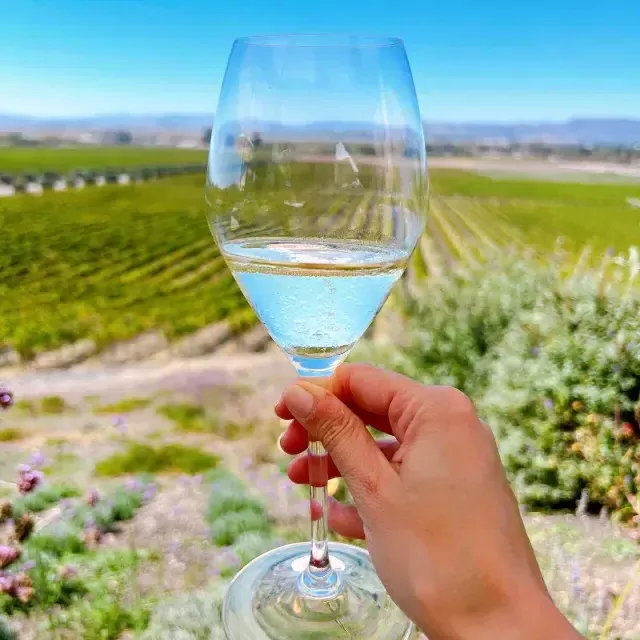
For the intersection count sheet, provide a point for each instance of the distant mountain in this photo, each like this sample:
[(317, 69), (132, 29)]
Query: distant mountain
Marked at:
[(587, 131), (576, 131), (169, 122)]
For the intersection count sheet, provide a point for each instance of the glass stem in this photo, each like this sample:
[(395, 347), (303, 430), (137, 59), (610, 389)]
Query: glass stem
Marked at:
[(319, 580)]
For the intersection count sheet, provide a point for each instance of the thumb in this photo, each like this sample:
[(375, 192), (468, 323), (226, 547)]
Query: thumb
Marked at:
[(344, 436)]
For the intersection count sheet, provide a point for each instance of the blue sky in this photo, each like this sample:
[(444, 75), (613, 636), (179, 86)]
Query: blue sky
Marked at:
[(471, 59)]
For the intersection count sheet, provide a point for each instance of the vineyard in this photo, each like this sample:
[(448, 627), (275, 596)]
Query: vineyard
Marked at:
[(111, 263), (16, 160)]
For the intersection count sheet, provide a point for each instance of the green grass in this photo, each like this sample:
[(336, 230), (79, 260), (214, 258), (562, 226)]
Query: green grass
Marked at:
[(10, 434), (170, 458), (26, 160), (194, 419), (53, 405), (127, 405), (187, 417)]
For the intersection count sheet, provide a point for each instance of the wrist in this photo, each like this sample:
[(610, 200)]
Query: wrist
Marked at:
[(537, 618), (528, 615)]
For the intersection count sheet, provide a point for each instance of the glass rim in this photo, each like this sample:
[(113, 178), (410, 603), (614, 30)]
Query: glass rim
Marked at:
[(320, 41)]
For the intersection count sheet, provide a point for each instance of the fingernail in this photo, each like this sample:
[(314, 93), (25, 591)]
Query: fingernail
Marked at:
[(279, 445), (299, 401)]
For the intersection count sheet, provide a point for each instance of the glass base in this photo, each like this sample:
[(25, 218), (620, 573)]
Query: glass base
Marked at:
[(264, 600)]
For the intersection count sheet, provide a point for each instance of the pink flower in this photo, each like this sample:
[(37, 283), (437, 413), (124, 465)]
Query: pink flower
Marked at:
[(8, 555), (68, 571), (93, 497), (6, 398), (28, 478)]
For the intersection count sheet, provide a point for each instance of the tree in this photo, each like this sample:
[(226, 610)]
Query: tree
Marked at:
[(123, 137)]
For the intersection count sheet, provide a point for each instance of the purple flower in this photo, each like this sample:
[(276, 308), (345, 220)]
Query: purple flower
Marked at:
[(548, 404), (535, 352), (149, 492), (38, 459), (28, 478), (68, 571), (120, 424), (6, 398), (228, 557), (133, 484), (93, 497), (246, 463), (576, 582), (27, 566), (197, 479)]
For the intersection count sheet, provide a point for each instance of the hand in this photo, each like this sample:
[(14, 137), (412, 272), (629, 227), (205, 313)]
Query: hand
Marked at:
[(441, 522)]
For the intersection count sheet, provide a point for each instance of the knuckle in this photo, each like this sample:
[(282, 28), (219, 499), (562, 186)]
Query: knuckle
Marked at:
[(457, 404), (330, 420)]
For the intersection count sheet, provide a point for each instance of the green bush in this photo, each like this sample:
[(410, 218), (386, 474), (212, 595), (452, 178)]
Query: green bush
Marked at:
[(44, 497), (6, 632), (187, 417), (251, 545), (552, 363), (119, 506), (142, 458), (53, 405), (107, 610), (57, 540), (188, 616), (10, 434), (232, 512)]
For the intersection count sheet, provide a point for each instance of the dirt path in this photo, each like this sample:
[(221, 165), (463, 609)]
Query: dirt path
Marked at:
[(150, 376)]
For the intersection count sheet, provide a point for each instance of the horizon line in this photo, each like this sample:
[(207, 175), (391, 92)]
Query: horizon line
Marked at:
[(202, 114)]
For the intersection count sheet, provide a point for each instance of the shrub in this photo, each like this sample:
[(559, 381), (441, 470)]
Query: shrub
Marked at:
[(53, 405), (142, 458), (553, 364), (6, 632), (194, 616), (58, 539), (10, 434), (127, 405), (107, 610), (187, 417), (251, 545), (119, 506), (43, 497), (231, 511)]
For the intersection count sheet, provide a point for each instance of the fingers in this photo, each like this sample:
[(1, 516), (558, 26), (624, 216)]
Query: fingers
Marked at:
[(345, 438), (381, 423), (380, 398), (295, 439), (298, 470), (345, 520)]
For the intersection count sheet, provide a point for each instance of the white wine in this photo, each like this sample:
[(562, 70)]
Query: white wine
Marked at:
[(315, 297)]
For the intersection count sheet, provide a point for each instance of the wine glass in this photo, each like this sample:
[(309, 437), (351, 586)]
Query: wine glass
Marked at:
[(316, 189)]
